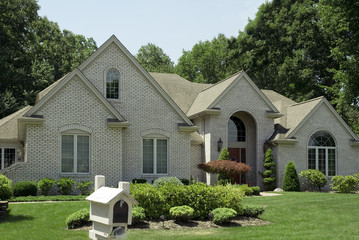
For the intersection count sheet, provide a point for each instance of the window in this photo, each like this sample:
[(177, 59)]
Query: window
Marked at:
[(236, 130), (155, 156), (322, 153), (7, 157), (75, 153), (112, 84)]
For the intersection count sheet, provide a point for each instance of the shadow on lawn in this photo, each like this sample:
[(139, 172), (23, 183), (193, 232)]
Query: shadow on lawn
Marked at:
[(17, 218)]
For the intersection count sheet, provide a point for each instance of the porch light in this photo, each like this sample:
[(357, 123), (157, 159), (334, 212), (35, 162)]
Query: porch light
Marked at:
[(220, 144)]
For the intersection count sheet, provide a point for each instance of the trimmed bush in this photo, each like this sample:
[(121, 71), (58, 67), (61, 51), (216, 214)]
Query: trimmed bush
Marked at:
[(5, 188), (84, 187), (23, 189), (223, 215), (185, 181), (78, 219), (256, 190), (290, 180), (269, 174), (314, 179), (65, 185), (167, 180), (139, 180), (248, 191), (45, 185), (199, 196), (251, 211), (345, 184), (138, 214), (181, 213)]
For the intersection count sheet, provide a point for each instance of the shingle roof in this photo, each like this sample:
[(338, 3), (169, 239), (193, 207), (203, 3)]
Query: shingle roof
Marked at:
[(42, 94), (182, 91), (8, 125)]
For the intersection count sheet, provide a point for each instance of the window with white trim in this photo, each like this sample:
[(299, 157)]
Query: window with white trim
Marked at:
[(75, 153), (322, 153), (236, 130), (7, 157), (112, 84), (155, 156)]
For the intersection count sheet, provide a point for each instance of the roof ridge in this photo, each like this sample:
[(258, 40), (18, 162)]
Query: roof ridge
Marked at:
[(307, 101), (215, 84)]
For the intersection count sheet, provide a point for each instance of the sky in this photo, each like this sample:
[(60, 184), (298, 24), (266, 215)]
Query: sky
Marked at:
[(173, 25)]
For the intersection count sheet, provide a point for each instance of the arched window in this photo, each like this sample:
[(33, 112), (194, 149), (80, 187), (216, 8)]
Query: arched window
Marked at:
[(112, 84), (322, 153), (236, 130)]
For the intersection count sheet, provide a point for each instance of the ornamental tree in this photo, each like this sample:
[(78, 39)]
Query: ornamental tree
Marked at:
[(291, 180), (225, 167), (269, 174)]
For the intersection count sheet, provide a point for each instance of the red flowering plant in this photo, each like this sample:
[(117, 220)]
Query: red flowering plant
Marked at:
[(225, 167)]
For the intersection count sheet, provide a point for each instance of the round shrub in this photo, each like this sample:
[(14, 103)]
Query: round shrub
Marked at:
[(291, 180), (27, 188), (256, 190), (248, 191), (314, 178), (223, 215), (84, 187), (45, 185), (185, 181), (181, 213), (65, 185), (5, 188), (78, 219), (251, 211), (167, 180), (345, 184), (138, 214)]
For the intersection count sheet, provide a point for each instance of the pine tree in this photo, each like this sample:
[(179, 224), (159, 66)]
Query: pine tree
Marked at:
[(291, 180), (269, 175)]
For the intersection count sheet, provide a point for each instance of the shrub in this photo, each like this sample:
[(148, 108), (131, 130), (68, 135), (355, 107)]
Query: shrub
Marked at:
[(344, 184), (256, 190), (248, 191), (84, 187), (5, 188), (224, 155), (45, 185), (223, 215), (185, 181), (290, 180), (27, 188), (199, 196), (225, 167), (78, 219), (251, 211), (65, 185), (167, 180), (181, 213), (138, 214), (269, 174), (314, 178), (139, 180)]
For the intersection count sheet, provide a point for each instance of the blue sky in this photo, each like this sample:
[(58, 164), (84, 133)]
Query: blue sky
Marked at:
[(172, 25)]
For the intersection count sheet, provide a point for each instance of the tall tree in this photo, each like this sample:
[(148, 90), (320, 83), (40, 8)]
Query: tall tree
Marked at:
[(209, 61), (285, 49), (153, 59)]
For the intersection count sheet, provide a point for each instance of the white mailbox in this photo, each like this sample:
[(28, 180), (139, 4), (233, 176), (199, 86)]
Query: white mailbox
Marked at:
[(110, 208)]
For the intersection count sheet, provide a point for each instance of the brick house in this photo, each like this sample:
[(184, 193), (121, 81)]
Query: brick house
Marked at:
[(111, 117)]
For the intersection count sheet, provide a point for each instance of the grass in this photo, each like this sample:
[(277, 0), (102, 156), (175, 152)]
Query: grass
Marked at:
[(294, 216), (49, 198)]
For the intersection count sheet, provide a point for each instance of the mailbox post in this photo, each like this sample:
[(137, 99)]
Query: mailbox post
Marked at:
[(110, 208)]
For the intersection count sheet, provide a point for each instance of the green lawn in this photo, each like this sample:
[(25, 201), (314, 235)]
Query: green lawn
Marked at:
[(294, 216)]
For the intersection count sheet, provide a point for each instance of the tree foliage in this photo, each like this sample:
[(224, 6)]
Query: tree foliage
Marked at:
[(34, 52), (269, 175), (225, 167), (153, 59), (291, 180)]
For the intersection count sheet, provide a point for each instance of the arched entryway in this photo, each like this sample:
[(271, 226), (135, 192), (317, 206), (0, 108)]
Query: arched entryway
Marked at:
[(242, 143)]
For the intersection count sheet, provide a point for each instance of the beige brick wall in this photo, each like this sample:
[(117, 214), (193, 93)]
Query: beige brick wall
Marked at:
[(197, 158), (322, 120)]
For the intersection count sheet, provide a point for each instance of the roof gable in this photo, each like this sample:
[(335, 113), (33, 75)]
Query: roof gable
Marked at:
[(62, 82), (141, 70), (314, 105), (209, 98), (9, 125)]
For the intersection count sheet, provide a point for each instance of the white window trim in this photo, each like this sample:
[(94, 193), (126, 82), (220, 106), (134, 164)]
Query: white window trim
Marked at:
[(2, 162), (155, 156), (75, 133), (120, 88), (326, 158)]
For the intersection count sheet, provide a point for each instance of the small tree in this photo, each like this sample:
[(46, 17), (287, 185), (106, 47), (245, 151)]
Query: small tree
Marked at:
[(225, 167), (290, 180), (224, 155), (222, 178), (269, 174), (314, 178)]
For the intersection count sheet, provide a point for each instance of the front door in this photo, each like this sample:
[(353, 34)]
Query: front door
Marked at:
[(238, 155)]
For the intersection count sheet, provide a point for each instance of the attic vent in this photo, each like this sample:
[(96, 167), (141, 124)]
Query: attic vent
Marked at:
[(120, 212)]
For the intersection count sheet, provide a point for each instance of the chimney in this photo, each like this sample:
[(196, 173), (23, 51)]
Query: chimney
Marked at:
[(99, 181)]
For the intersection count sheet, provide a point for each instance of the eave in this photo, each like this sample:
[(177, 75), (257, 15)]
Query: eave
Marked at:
[(113, 123), (187, 128), (205, 112), (284, 141), (354, 143), (271, 114), (24, 121)]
